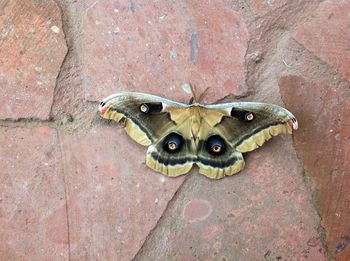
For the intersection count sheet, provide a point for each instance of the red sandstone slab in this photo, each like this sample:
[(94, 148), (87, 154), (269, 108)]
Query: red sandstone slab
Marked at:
[(157, 47), (33, 220), (32, 48), (115, 200), (323, 144), (262, 7), (327, 35), (262, 213)]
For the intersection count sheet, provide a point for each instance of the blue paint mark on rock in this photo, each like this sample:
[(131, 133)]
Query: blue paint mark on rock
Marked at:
[(132, 6), (194, 47), (238, 24)]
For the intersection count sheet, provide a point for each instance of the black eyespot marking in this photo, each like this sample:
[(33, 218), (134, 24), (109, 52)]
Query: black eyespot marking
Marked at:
[(151, 108), (242, 115), (173, 142), (102, 103), (216, 145)]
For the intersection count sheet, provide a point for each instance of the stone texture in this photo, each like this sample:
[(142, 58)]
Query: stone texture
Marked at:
[(33, 220), (265, 211), (115, 203), (263, 7), (323, 145), (32, 48), (327, 35), (114, 200), (156, 48)]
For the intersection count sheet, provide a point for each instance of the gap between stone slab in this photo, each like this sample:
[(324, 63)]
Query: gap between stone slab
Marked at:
[(63, 165), (308, 184), (64, 59), (67, 122), (26, 123), (169, 205), (320, 229), (60, 70), (68, 95)]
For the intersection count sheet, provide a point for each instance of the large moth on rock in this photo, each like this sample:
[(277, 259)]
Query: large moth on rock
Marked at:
[(211, 136)]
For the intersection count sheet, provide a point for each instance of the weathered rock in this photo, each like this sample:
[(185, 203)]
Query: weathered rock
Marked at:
[(264, 211), (32, 48), (323, 145), (156, 48), (33, 219), (115, 200), (262, 7), (327, 35)]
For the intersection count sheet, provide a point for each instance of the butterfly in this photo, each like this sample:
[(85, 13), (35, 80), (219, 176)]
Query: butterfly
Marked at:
[(213, 137)]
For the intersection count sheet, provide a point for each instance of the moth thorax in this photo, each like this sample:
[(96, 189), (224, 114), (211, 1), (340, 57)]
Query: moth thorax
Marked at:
[(195, 125), (195, 130)]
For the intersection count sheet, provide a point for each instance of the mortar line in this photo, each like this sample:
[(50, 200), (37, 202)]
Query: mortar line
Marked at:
[(160, 219), (63, 60), (63, 164)]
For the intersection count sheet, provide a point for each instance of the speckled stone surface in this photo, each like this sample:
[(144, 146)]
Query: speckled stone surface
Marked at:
[(32, 48), (33, 218), (323, 144), (157, 47), (114, 200), (74, 187), (327, 35), (263, 212)]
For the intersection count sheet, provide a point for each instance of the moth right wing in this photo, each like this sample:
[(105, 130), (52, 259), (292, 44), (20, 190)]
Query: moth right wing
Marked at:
[(228, 130), (248, 125)]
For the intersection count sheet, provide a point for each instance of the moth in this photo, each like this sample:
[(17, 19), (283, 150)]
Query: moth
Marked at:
[(213, 137)]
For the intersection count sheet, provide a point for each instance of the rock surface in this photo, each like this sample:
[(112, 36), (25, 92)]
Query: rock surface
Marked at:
[(32, 48), (33, 218), (327, 35), (114, 199), (263, 212), (158, 47), (76, 188), (323, 145)]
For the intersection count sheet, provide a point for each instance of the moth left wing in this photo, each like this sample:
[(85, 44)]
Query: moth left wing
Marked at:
[(248, 125), (145, 117), (158, 123)]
